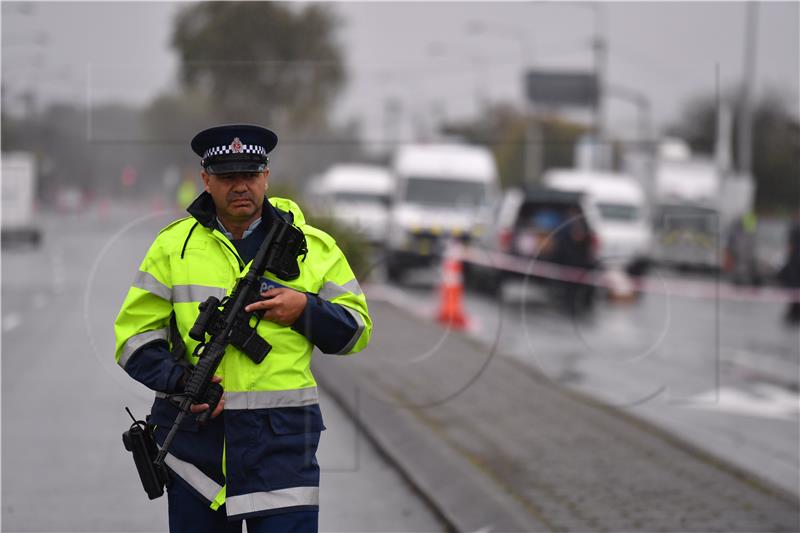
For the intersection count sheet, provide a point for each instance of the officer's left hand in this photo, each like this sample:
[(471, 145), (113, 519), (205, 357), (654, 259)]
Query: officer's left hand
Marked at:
[(200, 407), (282, 305)]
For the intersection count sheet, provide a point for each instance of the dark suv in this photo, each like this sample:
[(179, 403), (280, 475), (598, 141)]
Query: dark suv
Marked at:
[(545, 226)]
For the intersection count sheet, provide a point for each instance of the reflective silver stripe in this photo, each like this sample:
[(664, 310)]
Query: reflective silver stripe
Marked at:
[(196, 293), (147, 282), (360, 321), (331, 290), (192, 475), (137, 341), (275, 499), (272, 398), (179, 293)]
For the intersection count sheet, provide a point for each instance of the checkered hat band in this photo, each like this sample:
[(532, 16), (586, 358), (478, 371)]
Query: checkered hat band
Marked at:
[(246, 149)]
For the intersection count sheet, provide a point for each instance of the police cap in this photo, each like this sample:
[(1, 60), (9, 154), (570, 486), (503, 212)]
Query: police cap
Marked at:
[(234, 148)]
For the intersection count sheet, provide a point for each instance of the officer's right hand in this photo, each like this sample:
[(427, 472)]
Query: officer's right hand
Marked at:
[(200, 407)]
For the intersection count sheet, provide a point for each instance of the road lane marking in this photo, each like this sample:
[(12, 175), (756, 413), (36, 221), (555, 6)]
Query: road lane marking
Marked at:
[(762, 399)]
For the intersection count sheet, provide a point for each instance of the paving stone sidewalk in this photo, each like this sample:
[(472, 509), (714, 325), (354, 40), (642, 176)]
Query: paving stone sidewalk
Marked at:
[(495, 446)]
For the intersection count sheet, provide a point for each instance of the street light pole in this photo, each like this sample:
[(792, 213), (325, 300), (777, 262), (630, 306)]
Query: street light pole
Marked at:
[(745, 136), (645, 146), (600, 48), (392, 115)]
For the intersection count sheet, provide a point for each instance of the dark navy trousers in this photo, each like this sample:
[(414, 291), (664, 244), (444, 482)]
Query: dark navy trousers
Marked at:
[(187, 514)]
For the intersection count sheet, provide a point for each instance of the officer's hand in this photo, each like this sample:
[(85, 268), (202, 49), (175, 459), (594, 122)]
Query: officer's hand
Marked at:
[(282, 305), (200, 407)]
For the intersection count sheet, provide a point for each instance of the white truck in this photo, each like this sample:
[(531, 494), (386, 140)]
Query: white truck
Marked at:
[(695, 201), (443, 191), (18, 196), (357, 195)]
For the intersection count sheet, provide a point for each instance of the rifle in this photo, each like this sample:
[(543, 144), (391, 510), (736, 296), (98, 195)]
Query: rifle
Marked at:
[(226, 323)]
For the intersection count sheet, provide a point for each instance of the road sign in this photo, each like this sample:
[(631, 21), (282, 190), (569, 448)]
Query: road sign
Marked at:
[(555, 87)]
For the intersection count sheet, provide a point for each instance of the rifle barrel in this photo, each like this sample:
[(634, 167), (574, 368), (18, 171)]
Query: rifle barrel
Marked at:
[(162, 453)]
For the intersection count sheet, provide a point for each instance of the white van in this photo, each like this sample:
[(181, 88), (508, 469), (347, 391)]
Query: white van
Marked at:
[(443, 191), (686, 218), (357, 195), (18, 178), (617, 210)]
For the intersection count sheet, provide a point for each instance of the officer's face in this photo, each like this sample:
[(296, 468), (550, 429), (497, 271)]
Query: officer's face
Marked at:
[(237, 196)]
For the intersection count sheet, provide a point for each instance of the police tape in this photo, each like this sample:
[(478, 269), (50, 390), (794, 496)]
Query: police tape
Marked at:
[(608, 279)]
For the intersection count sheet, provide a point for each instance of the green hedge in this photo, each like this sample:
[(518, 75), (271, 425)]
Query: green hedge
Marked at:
[(353, 244)]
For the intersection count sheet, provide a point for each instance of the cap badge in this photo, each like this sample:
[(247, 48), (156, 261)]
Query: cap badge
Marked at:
[(236, 146)]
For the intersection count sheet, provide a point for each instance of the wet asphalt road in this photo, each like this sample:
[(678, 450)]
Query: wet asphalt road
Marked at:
[(720, 374)]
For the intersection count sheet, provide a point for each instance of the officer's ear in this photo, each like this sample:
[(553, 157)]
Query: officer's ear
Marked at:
[(204, 175)]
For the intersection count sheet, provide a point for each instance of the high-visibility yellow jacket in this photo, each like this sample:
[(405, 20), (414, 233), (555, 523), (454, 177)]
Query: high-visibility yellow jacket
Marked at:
[(259, 456)]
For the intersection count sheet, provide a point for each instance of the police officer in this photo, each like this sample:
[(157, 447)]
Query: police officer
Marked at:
[(789, 275), (255, 459)]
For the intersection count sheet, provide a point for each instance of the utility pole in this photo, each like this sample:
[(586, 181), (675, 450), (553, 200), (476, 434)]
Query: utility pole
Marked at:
[(600, 48), (392, 114), (532, 149), (745, 137), (644, 146)]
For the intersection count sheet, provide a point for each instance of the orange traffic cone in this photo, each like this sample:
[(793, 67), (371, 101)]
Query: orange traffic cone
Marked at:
[(451, 290)]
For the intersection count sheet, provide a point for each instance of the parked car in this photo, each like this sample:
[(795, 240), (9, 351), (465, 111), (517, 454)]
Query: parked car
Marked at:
[(620, 218), (755, 250), (771, 250), (549, 226)]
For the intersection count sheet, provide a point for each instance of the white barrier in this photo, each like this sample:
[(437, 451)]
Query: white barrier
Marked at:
[(598, 278)]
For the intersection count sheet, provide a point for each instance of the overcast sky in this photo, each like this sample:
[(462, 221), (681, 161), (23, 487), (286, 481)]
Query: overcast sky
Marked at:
[(430, 57)]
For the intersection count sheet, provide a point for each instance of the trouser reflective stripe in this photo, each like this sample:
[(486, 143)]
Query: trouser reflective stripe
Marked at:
[(276, 499), (266, 399), (357, 335), (272, 398), (194, 477), (137, 341)]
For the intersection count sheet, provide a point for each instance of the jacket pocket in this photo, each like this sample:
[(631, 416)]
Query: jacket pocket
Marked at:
[(296, 420)]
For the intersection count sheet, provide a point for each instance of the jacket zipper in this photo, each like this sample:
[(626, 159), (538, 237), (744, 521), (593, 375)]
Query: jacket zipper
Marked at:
[(236, 255)]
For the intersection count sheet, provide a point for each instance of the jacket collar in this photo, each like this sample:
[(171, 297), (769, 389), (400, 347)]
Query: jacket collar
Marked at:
[(204, 211)]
